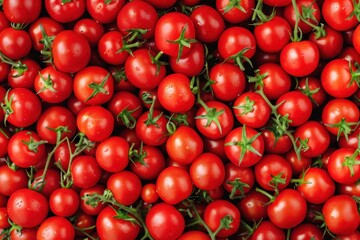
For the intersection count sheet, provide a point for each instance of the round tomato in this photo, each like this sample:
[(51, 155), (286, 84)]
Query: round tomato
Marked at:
[(12, 180), (338, 14), (55, 228), (85, 171), (64, 202), (65, 11)]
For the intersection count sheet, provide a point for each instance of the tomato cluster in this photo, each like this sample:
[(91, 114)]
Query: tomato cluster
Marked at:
[(189, 119)]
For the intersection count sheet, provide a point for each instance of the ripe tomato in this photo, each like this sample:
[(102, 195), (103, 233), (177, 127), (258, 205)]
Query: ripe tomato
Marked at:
[(298, 165), (330, 45), (194, 234), (149, 194), (218, 210), (4, 141), (228, 81), (174, 93), (268, 230), (341, 214), (251, 109), (244, 146), (70, 51), (174, 185), (208, 23), (273, 35), (110, 226), (235, 12), (96, 122), (313, 88), (275, 144), (136, 16), (184, 145), (87, 208), (65, 12), (55, 120), (253, 207), (164, 222), (104, 11), (273, 172), (112, 49), (238, 180), (64, 202), (23, 75), (22, 12), (12, 180), (337, 79), (27, 208), (207, 171), (306, 231), (288, 209), (296, 106), (93, 85), (55, 228), (299, 58), (26, 149), (85, 171), (15, 43), (90, 29), (338, 14), (49, 183), (174, 34), (340, 117)]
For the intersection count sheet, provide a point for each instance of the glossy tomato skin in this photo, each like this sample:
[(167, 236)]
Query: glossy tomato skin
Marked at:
[(233, 150), (4, 140), (102, 11), (298, 166), (341, 215), (312, 84), (110, 227), (194, 234), (296, 105), (50, 26), (22, 12), (141, 71), (212, 130), (275, 144), (17, 78), (208, 23), (87, 208), (71, 51), (174, 185), (52, 181), (238, 180), (236, 14), (306, 231), (269, 169), (336, 78), (317, 137), (90, 29), (184, 145), (299, 58), (24, 234), (21, 149), (64, 202), (168, 29), (149, 194), (164, 222), (12, 180), (137, 15), (55, 228), (288, 209), (337, 14), (15, 43), (268, 230), (251, 109), (217, 210), (110, 48), (27, 208), (253, 207), (96, 122), (86, 172), (56, 117), (317, 185), (330, 45), (207, 171), (273, 35), (338, 110), (65, 12), (340, 167), (229, 81), (86, 82)]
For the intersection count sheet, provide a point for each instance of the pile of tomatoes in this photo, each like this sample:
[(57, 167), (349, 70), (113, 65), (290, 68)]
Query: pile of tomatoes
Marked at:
[(189, 119)]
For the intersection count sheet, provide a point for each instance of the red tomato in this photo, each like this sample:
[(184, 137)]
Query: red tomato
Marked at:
[(235, 12), (268, 230), (273, 35), (207, 171), (70, 51), (64, 202), (23, 74), (313, 88), (316, 185), (15, 43), (253, 207), (149, 194), (228, 81), (174, 34), (299, 58), (87, 208), (125, 186), (252, 110), (65, 12), (306, 231), (217, 211), (174, 185), (164, 222), (110, 226), (341, 215), (194, 234), (112, 48), (22, 12), (12, 180), (288, 209), (104, 11), (27, 208), (85, 171), (208, 23), (238, 180), (338, 14), (175, 94), (184, 145), (244, 146), (55, 228), (96, 122), (90, 29)]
